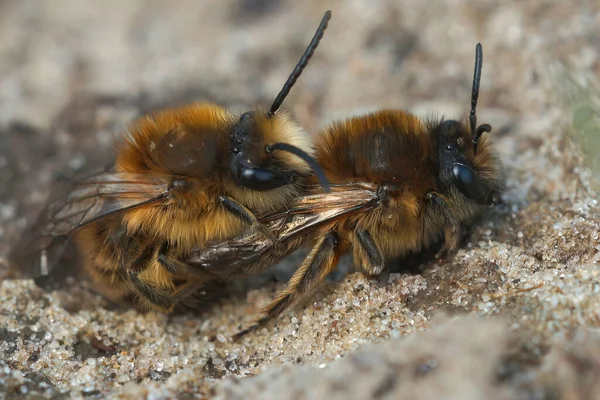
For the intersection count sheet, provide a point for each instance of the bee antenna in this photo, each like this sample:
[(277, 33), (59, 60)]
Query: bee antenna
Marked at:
[(314, 43), (477, 131), (475, 92), (318, 170)]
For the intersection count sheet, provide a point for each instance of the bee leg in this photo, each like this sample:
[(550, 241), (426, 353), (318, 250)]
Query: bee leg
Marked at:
[(249, 218), (156, 296), (320, 262), (195, 294), (452, 228), (367, 253), (452, 235), (168, 261)]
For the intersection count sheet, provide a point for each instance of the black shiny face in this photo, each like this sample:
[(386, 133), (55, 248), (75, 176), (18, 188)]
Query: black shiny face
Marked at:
[(451, 149), (244, 132), (456, 168), (249, 167)]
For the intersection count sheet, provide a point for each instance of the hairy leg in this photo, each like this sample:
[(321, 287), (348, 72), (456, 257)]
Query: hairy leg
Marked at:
[(320, 262)]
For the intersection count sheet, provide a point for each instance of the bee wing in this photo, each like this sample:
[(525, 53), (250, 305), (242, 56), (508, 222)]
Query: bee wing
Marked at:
[(251, 251), (88, 200)]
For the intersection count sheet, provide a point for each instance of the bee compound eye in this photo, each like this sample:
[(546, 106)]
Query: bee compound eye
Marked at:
[(463, 174), (467, 181), (261, 179)]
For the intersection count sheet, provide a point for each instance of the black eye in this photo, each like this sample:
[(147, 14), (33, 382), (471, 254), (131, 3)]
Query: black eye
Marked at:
[(470, 185), (451, 147), (261, 179)]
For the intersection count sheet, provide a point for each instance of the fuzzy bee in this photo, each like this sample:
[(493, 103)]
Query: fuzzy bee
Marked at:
[(403, 183), (182, 178)]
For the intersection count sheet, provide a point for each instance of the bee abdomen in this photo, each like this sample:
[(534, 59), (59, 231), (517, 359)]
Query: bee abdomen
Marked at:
[(105, 247)]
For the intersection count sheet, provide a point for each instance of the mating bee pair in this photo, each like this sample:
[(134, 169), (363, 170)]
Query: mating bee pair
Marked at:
[(198, 195)]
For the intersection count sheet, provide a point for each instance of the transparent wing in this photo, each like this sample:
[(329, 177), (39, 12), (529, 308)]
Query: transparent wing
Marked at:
[(252, 252), (88, 200)]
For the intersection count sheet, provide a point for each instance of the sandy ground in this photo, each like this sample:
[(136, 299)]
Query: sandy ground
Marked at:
[(515, 314)]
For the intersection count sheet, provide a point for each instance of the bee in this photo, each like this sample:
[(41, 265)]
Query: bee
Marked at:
[(415, 182), (182, 177)]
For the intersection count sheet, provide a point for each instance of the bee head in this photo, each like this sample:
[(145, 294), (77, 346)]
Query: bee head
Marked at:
[(466, 158), (269, 149), (473, 175)]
